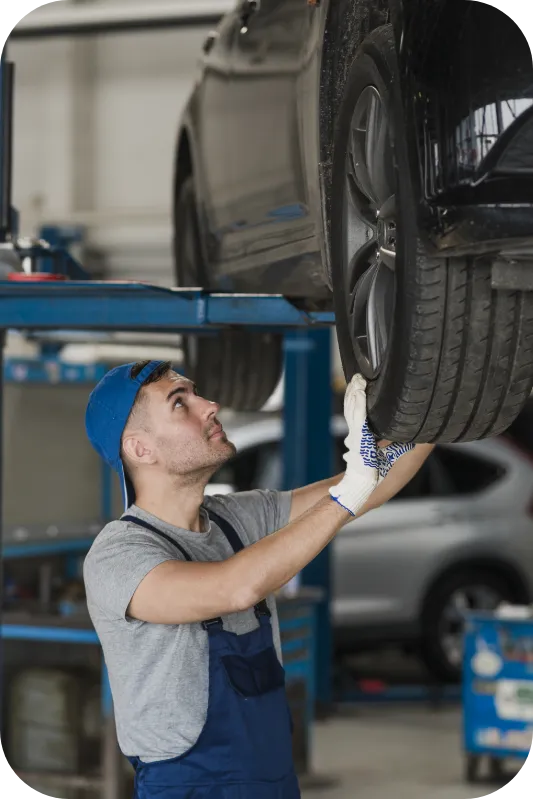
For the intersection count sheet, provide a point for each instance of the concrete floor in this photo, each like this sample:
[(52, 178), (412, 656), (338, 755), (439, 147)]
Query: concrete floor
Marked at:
[(378, 752)]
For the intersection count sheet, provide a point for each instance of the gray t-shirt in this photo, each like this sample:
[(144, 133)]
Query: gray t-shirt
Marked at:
[(159, 673)]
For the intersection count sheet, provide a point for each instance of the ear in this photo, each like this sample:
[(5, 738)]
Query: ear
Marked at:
[(136, 448)]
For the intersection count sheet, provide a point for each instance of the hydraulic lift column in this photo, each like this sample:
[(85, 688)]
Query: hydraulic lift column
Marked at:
[(308, 458)]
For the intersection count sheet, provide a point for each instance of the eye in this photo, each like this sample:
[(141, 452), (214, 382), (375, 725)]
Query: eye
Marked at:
[(178, 402)]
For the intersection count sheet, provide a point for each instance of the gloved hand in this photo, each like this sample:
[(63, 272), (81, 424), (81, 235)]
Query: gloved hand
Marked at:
[(387, 457), (367, 464), (362, 467)]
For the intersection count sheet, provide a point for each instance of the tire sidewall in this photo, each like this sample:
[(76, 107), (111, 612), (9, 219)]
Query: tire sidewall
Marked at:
[(222, 364), (185, 212)]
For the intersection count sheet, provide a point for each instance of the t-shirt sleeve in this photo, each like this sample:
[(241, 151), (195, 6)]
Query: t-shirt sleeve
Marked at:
[(116, 566), (258, 513)]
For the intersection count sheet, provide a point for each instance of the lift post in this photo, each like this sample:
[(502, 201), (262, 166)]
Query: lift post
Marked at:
[(308, 458)]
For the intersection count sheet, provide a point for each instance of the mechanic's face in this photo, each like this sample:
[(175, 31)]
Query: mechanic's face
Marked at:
[(184, 432)]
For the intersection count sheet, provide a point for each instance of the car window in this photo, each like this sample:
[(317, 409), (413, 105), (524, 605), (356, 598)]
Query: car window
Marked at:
[(466, 473), (447, 472), (419, 486)]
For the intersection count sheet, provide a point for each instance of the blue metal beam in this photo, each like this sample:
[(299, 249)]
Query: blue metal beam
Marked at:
[(308, 458), (132, 306), (52, 371), (47, 548), (59, 635)]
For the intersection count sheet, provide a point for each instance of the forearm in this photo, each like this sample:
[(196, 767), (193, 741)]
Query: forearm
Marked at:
[(400, 474), (305, 498), (269, 564)]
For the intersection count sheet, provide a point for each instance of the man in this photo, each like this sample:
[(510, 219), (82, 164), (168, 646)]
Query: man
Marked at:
[(180, 588)]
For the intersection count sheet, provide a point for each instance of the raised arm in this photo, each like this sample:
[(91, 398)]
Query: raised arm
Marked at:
[(179, 593), (401, 473)]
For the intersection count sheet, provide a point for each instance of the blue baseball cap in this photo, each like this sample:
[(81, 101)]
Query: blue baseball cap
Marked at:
[(108, 410)]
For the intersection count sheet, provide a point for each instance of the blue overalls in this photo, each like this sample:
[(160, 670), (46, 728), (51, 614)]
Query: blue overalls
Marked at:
[(245, 748)]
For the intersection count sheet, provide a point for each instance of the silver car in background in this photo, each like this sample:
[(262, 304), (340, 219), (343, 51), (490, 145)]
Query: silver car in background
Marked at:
[(458, 537)]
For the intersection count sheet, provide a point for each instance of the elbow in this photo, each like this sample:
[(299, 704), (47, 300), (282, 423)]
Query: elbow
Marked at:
[(244, 598), (240, 589)]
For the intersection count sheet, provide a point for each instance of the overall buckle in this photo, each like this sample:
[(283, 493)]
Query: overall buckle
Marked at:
[(207, 625)]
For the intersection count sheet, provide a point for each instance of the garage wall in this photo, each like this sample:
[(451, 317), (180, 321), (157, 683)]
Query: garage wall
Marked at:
[(52, 474), (95, 125)]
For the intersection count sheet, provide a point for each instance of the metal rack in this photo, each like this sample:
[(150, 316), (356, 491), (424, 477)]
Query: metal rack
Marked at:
[(69, 540)]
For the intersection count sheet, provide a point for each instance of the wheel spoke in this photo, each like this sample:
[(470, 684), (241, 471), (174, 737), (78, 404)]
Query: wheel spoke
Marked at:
[(360, 150), (453, 648), (376, 151), (360, 297), (379, 312), (388, 257), (387, 212), (359, 248)]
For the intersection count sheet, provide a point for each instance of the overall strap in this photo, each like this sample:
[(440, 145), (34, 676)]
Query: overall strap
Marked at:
[(261, 609), (142, 523)]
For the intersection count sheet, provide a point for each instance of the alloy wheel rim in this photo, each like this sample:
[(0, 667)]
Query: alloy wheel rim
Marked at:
[(451, 627), (370, 248)]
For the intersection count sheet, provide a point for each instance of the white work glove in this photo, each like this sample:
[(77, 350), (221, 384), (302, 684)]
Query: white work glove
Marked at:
[(387, 457), (366, 464), (361, 458)]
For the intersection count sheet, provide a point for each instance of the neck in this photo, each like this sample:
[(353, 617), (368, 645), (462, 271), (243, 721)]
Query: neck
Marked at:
[(174, 503)]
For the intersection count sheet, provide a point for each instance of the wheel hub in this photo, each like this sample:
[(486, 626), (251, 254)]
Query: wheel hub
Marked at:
[(386, 234)]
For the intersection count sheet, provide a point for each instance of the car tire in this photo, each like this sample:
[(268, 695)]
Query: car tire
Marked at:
[(456, 357), (484, 584), (240, 369)]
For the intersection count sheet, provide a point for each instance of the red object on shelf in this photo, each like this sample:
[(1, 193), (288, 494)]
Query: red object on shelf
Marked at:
[(372, 686), (35, 277)]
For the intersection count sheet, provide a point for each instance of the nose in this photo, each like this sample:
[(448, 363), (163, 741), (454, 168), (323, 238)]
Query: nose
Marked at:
[(209, 408)]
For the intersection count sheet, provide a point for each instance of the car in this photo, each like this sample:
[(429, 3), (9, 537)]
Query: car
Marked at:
[(374, 157), (458, 537)]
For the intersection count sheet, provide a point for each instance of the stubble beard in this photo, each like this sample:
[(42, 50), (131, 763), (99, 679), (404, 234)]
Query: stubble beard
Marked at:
[(191, 472)]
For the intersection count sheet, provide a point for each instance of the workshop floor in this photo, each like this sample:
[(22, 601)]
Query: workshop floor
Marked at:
[(405, 753)]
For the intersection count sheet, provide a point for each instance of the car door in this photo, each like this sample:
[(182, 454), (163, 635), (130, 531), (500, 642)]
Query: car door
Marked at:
[(266, 192), (376, 563), (385, 561)]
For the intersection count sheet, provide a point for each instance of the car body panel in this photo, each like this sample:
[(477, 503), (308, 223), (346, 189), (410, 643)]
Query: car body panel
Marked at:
[(261, 122), (385, 563)]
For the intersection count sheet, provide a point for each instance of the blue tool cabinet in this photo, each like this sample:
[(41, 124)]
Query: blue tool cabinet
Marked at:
[(498, 692)]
